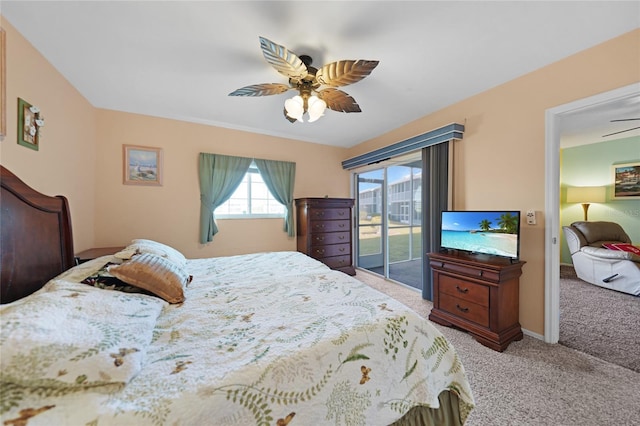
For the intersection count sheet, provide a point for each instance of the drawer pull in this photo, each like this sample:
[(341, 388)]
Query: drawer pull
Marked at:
[(461, 309), (320, 251), (319, 238), (480, 273), (341, 237), (341, 225), (341, 248), (341, 213), (320, 213), (462, 290)]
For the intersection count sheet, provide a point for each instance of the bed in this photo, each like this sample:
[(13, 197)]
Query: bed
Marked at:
[(267, 338)]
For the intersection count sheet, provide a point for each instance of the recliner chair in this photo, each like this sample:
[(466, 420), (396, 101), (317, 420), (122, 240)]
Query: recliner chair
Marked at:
[(594, 263)]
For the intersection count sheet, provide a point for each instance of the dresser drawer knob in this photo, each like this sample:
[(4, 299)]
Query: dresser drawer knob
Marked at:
[(462, 290), (341, 237), (319, 238), (320, 251), (341, 248), (461, 309), (341, 225)]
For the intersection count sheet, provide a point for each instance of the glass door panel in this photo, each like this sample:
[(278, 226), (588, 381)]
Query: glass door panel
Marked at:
[(389, 209), (370, 225), (404, 223)]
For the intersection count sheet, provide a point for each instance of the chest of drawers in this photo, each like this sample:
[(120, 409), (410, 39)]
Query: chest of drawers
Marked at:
[(324, 231), (477, 294)]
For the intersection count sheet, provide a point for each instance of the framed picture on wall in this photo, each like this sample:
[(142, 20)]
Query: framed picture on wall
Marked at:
[(30, 123), (626, 181), (141, 165)]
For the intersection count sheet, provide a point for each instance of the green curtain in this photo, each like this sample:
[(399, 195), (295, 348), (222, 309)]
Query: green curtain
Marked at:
[(280, 176), (220, 175)]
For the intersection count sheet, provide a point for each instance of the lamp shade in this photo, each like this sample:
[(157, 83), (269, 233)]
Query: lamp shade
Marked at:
[(586, 194), (295, 107), (316, 108)]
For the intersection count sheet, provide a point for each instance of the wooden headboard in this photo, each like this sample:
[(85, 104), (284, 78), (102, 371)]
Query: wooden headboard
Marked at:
[(37, 243)]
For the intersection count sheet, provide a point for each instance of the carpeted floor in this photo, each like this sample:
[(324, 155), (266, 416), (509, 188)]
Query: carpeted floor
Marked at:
[(601, 322), (532, 382)]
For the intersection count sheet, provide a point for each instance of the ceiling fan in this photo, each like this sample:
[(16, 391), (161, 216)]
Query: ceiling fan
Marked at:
[(623, 131), (307, 81)]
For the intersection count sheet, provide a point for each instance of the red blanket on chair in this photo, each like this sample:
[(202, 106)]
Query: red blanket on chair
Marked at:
[(623, 247)]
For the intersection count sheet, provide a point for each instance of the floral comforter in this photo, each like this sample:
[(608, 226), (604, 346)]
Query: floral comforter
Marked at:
[(265, 339)]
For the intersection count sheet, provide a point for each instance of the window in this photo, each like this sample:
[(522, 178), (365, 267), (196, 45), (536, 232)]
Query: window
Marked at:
[(252, 199)]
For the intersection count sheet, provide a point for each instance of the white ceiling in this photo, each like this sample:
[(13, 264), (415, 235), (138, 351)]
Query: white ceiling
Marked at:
[(181, 59)]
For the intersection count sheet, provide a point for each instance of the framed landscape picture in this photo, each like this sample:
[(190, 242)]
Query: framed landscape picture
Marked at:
[(626, 181), (141, 165)]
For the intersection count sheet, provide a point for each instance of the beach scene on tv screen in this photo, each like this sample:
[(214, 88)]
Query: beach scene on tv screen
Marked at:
[(481, 232)]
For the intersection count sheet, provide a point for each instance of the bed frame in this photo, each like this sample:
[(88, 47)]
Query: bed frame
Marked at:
[(37, 242)]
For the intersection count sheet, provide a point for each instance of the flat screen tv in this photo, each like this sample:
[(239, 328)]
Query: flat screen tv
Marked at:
[(494, 233)]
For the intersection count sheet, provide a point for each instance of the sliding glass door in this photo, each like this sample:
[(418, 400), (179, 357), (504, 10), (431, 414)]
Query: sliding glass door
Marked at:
[(389, 208)]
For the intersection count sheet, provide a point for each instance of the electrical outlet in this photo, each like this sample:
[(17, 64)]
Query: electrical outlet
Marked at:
[(531, 217)]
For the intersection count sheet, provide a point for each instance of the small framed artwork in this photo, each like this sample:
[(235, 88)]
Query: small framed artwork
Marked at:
[(626, 181), (30, 123), (141, 165)]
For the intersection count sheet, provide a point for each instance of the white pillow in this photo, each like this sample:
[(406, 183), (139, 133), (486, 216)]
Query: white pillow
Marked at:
[(71, 335), (139, 246)]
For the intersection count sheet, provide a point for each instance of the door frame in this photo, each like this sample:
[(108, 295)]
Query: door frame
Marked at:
[(553, 130)]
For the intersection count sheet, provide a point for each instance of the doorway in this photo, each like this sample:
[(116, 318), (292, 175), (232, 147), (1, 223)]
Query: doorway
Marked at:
[(554, 128), (389, 220)]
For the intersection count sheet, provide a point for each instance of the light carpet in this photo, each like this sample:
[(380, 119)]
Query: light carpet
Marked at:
[(601, 322), (532, 382)]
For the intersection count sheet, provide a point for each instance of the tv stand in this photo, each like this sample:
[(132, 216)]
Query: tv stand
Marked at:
[(479, 295)]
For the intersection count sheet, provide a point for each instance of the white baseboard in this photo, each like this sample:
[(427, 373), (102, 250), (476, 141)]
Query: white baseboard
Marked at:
[(532, 334)]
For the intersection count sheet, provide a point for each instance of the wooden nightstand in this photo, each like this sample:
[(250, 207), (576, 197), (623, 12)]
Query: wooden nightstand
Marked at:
[(92, 253)]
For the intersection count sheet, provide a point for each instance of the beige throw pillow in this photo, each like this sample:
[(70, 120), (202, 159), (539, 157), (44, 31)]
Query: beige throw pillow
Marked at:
[(155, 274)]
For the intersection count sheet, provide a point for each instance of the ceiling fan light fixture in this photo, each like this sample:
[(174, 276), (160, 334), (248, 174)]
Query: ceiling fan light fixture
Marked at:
[(316, 107), (307, 80), (295, 107)]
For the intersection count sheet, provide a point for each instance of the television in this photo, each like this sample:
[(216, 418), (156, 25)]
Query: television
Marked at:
[(495, 233)]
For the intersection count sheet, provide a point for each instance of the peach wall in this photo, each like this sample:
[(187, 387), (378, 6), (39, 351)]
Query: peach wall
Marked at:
[(171, 213), (500, 163), (65, 162)]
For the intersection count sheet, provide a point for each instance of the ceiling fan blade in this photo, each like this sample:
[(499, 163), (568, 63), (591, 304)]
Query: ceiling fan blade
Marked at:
[(625, 119), (265, 89), (284, 61), (337, 100), (342, 73), (621, 131)]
